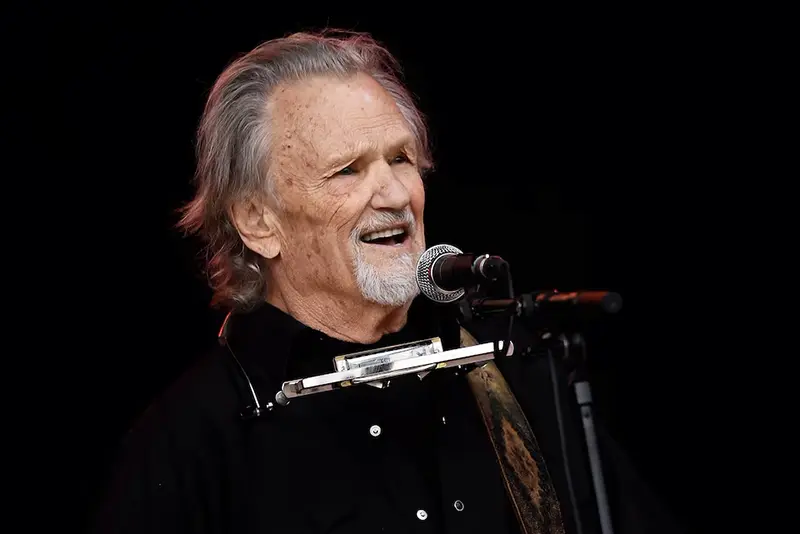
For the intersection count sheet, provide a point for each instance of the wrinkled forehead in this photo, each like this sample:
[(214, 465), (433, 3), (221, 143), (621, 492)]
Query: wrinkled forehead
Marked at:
[(330, 118)]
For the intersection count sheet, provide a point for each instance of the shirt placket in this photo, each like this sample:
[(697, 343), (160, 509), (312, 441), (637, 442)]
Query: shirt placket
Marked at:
[(473, 496)]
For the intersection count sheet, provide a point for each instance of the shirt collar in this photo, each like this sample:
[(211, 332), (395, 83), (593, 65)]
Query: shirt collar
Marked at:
[(274, 346)]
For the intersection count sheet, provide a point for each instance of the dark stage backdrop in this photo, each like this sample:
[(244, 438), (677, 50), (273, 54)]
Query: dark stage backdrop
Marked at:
[(556, 148)]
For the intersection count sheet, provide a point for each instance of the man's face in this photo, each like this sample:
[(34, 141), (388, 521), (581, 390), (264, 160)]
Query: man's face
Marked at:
[(351, 195)]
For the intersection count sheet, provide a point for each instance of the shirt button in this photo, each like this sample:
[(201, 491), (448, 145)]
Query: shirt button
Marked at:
[(459, 506), (375, 431), (422, 515)]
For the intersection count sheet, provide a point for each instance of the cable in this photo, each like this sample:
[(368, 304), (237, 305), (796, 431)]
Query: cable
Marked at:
[(250, 411), (563, 438)]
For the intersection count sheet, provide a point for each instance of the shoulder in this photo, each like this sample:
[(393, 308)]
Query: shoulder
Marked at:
[(201, 405), (173, 453)]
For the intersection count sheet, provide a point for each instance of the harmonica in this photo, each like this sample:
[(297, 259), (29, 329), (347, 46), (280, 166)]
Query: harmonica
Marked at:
[(376, 367)]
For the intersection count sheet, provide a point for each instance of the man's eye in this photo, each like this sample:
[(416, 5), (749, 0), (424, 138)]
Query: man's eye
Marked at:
[(347, 171), (401, 158)]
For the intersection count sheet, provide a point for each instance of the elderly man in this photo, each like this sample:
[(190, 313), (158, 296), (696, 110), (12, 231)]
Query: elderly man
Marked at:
[(310, 199)]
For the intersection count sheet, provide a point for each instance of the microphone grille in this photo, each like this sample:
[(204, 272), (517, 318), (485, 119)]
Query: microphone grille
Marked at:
[(425, 281)]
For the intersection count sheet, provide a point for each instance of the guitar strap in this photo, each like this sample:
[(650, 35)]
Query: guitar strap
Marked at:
[(525, 474)]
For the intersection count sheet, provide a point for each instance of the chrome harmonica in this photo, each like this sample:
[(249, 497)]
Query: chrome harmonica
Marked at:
[(378, 366)]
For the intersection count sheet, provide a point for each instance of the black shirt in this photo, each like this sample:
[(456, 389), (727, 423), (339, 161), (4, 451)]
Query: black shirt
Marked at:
[(411, 458)]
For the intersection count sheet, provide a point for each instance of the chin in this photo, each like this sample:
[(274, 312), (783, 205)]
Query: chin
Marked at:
[(392, 298), (391, 285)]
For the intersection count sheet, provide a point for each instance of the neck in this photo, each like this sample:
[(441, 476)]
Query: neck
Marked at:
[(353, 320)]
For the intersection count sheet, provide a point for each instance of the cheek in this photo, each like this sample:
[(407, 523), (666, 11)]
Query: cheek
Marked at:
[(309, 255), (325, 225), (303, 234), (416, 191), (315, 248), (344, 207), (314, 213)]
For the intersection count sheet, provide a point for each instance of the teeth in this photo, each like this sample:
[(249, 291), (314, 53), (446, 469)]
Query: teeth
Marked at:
[(383, 233)]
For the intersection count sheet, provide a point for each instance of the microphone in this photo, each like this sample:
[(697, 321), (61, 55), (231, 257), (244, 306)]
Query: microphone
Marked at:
[(443, 271)]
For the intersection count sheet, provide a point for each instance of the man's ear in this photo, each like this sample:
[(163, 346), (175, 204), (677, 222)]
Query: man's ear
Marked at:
[(258, 227)]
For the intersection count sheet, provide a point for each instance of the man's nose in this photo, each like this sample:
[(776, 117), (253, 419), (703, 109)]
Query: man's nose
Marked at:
[(390, 192)]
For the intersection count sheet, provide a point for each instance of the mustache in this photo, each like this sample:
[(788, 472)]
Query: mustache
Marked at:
[(382, 219)]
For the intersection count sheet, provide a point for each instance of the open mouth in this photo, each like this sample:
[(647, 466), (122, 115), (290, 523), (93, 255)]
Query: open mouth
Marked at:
[(392, 237)]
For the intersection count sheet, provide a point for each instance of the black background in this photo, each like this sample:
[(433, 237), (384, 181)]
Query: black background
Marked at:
[(568, 143)]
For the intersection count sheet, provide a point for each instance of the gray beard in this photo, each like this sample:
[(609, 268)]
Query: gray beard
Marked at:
[(394, 286)]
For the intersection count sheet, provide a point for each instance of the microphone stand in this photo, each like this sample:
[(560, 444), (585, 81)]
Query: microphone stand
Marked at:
[(583, 395), (526, 307)]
